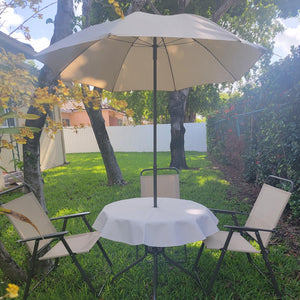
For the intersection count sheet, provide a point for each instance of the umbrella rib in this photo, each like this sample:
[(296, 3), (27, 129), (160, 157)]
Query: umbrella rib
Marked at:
[(216, 58), (115, 81), (166, 49), (141, 44), (178, 41)]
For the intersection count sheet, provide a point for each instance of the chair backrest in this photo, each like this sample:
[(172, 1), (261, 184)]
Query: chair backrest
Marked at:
[(267, 210), (29, 206), (167, 185)]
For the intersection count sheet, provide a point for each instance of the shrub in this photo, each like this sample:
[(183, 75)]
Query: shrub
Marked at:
[(259, 133)]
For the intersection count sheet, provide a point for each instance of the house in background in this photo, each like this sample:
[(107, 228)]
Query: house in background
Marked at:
[(74, 114), (52, 151)]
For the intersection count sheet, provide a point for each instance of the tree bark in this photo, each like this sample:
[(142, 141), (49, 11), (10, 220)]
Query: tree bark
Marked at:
[(136, 5), (9, 267), (177, 101), (113, 172), (177, 121), (222, 10), (31, 158), (31, 150)]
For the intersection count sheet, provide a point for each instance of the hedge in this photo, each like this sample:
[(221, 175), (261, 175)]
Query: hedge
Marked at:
[(259, 132)]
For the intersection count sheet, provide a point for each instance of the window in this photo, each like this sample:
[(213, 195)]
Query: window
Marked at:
[(11, 122), (66, 122)]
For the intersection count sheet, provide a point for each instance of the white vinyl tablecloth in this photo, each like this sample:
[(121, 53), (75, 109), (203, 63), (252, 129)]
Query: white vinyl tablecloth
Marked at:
[(174, 222)]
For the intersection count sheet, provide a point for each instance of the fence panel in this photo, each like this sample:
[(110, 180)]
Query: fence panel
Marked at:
[(135, 138)]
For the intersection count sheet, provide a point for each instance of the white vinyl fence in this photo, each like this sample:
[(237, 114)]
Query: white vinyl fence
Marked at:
[(135, 138)]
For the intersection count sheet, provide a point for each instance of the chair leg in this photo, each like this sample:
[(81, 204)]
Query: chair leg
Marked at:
[(185, 254), (31, 269), (98, 242), (78, 265), (198, 256), (264, 253), (83, 274), (29, 277), (271, 274), (136, 252), (104, 253), (215, 273)]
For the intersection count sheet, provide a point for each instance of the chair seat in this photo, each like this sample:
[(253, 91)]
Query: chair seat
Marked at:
[(237, 242), (79, 243)]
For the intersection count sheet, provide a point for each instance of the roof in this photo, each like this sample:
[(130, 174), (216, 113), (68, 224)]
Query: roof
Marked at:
[(14, 46), (71, 106)]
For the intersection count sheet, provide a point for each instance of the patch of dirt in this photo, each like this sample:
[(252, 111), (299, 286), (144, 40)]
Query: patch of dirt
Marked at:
[(289, 231)]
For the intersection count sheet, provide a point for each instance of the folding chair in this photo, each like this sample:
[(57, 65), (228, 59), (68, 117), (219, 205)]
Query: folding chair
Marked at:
[(40, 244), (259, 226), (167, 186)]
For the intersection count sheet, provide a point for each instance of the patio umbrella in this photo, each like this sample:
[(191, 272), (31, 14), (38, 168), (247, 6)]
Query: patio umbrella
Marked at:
[(151, 52)]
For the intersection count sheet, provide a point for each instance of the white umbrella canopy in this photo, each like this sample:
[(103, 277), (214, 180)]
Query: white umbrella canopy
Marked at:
[(151, 52), (117, 55)]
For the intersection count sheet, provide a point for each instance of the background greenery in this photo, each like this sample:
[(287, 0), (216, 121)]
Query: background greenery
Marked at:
[(259, 132), (81, 186)]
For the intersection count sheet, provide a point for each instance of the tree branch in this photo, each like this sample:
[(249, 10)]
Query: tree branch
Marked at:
[(32, 16), (153, 8), (222, 10)]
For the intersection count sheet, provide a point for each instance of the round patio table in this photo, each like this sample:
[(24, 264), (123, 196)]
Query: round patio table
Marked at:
[(174, 222)]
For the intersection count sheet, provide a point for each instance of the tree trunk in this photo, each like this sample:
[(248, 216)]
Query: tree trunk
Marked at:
[(113, 172), (31, 158), (177, 102), (219, 13), (31, 150), (177, 121), (136, 5), (9, 267)]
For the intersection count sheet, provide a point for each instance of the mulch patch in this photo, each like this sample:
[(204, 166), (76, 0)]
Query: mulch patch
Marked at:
[(289, 229)]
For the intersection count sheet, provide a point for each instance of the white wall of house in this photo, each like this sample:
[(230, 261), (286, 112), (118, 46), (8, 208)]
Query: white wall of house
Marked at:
[(135, 138)]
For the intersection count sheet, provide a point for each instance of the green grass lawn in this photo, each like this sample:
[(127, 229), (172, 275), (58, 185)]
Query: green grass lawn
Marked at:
[(81, 186)]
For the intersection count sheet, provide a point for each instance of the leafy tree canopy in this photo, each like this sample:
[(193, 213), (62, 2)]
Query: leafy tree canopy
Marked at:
[(253, 20)]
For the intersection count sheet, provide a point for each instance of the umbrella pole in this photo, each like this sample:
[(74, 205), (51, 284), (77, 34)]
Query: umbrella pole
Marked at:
[(154, 122)]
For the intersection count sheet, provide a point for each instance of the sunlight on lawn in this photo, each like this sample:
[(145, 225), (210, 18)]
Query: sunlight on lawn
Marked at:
[(82, 186)]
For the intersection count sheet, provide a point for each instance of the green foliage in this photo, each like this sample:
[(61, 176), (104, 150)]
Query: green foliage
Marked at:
[(260, 131), (202, 100), (81, 186), (253, 20)]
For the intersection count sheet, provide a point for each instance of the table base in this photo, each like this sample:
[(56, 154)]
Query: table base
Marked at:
[(155, 251)]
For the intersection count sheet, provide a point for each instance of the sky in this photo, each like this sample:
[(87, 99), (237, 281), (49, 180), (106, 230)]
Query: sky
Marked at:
[(41, 32)]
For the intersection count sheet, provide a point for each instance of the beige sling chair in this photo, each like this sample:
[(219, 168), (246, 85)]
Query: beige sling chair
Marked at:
[(40, 245), (259, 226), (167, 186)]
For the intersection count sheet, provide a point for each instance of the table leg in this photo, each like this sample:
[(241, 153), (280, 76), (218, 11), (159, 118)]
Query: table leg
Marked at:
[(154, 273), (130, 266), (155, 251), (173, 262)]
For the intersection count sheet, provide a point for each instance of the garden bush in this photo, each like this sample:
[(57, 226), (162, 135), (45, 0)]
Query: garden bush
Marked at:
[(259, 132)]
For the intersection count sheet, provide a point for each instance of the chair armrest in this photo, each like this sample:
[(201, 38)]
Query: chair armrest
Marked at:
[(243, 228), (70, 216), (44, 237), (229, 212)]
